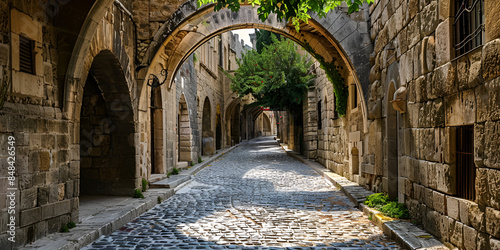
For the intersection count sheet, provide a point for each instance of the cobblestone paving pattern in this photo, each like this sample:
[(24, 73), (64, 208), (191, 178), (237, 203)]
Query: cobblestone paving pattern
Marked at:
[(255, 197)]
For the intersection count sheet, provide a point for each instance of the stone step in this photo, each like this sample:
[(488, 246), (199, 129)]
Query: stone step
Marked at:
[(171, 182)]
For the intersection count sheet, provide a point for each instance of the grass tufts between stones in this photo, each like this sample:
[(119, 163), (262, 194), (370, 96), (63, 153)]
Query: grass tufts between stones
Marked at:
[(175, 171), (144, 185), (66, 227), (138, 194)]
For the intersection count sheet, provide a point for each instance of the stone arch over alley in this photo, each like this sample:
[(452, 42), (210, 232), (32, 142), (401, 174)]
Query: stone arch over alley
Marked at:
[(190, 27)]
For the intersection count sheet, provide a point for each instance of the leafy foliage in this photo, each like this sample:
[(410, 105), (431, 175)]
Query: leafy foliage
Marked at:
[(278, 77), (175, 171), (144, 185), (389, 208), (264, 37), (138, 194), (395, 210), (64, 229), (340, 90), (377, 200), (295, 11)]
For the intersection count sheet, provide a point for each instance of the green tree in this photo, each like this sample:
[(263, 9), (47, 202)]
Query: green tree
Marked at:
[(264, 37), (278, 77), (295, 11)]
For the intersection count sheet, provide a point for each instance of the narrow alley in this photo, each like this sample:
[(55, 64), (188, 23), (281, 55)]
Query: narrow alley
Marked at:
[(254, 197)]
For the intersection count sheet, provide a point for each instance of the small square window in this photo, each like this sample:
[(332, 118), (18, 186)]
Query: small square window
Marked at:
[(26, 55), (469, 25)]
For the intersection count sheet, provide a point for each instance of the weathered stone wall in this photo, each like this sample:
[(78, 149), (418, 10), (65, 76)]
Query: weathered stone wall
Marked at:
[(47, 138), (414, 50), (47, 186), (95, 143)]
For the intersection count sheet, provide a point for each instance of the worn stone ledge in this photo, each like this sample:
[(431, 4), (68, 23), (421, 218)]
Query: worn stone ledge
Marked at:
[(405, 233), (102, 223)]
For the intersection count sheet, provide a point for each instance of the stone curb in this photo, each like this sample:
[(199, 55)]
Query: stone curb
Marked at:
[(87, 231), (405, 233)]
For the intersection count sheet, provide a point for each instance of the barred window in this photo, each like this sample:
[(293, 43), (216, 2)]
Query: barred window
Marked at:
[(469, 25), (466, 170), (26, 55)]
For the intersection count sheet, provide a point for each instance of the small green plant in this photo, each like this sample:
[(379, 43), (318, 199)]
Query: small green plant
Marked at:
[(370, 217), (64, 229), (192, 163), (377, 200), (199, 159), (159, 199), (138, 194), (144, 185), (71, 225), (175, 171), (395, 210)]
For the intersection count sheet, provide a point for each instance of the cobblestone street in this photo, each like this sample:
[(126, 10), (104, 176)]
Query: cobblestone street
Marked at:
[(255, 197)]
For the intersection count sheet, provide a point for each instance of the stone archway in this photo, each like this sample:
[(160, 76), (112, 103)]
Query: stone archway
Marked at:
[(189, 27), (232, 130), (108, 62), (266, 125), (355, 161), (207, 135), (106, 120)]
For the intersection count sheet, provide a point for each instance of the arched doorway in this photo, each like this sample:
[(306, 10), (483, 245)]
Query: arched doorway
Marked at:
[(266, 125), (158, 156), (184, 133), (391, 143), (235, 125), (218, 128), (107, 152), (206, 127), (355, 161)]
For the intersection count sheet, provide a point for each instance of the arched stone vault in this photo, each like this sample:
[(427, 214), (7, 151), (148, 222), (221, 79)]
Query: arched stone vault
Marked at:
[(338, 36)]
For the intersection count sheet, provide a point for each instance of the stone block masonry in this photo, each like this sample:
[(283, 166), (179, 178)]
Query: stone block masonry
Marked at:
[(445, 93)]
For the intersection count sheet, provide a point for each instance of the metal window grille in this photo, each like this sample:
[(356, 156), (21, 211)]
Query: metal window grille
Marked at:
[(469, 25), (466, 171), (26, 55)]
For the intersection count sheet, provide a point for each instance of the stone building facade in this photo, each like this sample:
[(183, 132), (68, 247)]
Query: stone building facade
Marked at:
[(432, 125), (78, 104)]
